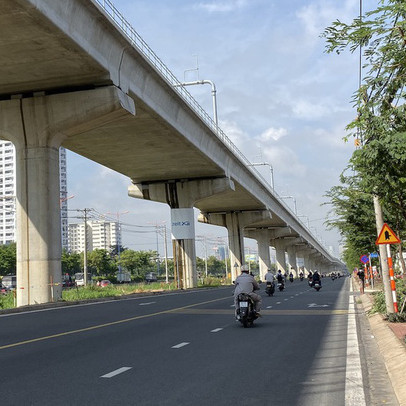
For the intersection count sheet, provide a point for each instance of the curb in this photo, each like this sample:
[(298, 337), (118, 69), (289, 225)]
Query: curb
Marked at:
[(391, 349)]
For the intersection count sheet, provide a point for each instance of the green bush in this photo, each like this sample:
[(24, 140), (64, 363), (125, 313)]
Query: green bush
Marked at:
[(7, 301), (379, 305)]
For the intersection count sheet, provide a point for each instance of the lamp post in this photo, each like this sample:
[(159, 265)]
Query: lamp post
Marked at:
[(213, 93), (294, 201), (270, 168), (308, 222)]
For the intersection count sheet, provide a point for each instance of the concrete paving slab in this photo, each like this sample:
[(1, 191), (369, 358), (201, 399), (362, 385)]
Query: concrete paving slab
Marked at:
[(392, 349)]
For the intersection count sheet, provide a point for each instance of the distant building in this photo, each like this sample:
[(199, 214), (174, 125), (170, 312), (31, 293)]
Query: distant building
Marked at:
[(8, 193), (100, 234)]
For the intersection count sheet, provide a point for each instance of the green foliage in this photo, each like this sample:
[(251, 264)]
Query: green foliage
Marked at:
[(138, 263), (99, 262), (379, 166), (70, 262), (8, 260), (7, 301), (379, 305)]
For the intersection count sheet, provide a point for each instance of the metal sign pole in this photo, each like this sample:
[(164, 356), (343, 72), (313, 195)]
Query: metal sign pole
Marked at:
[(392, 279)]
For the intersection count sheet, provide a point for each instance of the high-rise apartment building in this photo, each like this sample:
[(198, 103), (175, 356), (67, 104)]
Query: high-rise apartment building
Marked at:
[(100, 234), (8, 194)]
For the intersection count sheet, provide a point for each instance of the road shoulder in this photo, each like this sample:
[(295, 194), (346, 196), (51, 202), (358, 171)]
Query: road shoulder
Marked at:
[(391, 349)]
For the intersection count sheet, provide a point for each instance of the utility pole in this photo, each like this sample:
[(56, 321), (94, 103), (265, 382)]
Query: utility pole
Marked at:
[(383, 258), (85, 211), (119, 235), (166, 255)]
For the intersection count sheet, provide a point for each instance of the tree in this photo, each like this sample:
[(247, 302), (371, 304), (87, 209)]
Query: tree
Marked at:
[(70, 262), (380, 102), (138, 263), (8, 259), (215, 267), (100, 263)]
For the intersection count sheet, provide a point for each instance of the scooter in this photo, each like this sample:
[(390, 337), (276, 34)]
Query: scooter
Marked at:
[(270, 288), (317, 285), (280, 286), (245, 312)]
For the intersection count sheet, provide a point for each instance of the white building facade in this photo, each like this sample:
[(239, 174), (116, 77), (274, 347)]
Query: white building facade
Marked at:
[(8, 194), (100, 234)]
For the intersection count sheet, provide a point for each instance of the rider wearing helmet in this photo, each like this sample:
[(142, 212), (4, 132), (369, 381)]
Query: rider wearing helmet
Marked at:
[(246, 283), (316, 277)]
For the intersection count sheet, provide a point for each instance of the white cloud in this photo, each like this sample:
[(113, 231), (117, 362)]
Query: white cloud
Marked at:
[(285, 161), (272, 134), (222, 6), (234, 133), (316, 16)]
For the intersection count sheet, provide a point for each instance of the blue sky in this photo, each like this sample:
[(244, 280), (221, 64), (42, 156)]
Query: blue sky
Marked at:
[(280, 98)]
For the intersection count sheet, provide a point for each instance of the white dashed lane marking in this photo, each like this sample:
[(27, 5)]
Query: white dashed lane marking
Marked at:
[(180, 345), (216, 330), (116, 372)]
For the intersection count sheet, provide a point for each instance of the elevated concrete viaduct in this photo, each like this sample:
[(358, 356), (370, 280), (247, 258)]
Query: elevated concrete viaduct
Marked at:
[(73, 73)]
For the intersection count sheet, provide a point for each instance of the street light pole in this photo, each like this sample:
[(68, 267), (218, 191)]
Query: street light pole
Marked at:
[(294, 201), (213, 93), (270, 168)]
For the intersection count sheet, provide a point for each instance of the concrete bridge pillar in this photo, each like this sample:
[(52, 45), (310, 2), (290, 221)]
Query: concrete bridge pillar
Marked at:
[(235, 223), (37, 127), (263, 237), (291, 250), (181, 196), (279, 246), (306, 265)]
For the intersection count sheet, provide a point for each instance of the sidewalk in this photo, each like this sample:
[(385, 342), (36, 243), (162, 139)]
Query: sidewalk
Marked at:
[(390, 338)]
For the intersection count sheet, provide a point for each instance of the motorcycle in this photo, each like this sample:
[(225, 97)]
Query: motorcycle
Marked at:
[(291, 279), (310, 283), (280, 286), (246, 313), (301, 279), (270, 288), (317, 285)]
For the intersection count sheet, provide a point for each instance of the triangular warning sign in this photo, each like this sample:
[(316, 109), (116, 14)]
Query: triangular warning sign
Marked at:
[(387, 236)]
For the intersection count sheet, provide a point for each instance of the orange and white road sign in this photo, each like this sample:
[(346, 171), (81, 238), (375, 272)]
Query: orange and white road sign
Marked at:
[(387, 236)]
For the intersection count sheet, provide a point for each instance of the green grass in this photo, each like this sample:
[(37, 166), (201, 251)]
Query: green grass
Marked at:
[(7, 301), (94, 291), (379, 305)]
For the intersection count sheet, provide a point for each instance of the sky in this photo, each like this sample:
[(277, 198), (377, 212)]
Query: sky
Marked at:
[(280, 98)]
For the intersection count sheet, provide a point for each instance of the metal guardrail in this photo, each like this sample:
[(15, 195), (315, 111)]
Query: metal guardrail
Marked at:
[(137, 41)]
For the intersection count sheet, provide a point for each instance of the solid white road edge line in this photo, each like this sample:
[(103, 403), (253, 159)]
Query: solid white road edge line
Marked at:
[(116, 372), (354, 388), (180, 345)]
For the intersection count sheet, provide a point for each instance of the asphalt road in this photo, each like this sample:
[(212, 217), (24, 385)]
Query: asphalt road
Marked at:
[(180, 349)]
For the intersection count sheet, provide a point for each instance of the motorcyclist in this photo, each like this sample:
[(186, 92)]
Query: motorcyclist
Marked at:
[(301, 276), (246, 283), (291, 276), (316, 278), (310, 278), (269, 276), (280, 278)]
